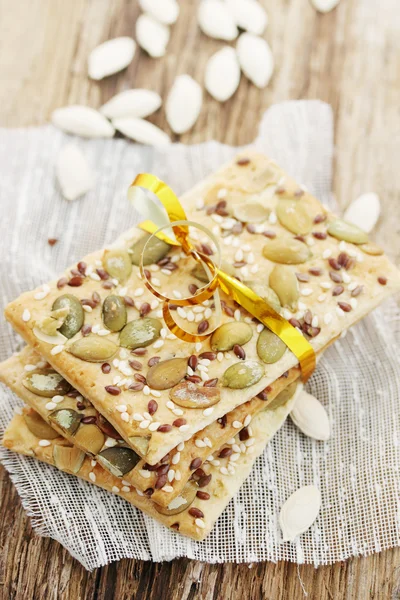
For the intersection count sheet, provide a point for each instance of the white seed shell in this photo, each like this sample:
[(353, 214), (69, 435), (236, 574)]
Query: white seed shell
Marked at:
[(183, 104), (248, 15), (83, 121), (111, 57), (255, 58), (141, 131), (222, 74), (152, 36), (73, 172), (55, 340), (324, 6), (364, 211), (165, 11), (216, 20), (299, 512), (137, 103), (311, 417)]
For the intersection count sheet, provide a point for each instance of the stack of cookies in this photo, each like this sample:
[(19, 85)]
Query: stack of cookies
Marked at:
[(174, 427)]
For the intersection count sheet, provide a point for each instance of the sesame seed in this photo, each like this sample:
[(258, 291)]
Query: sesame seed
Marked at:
[(178, 412), (144, 424), (184, 428), (178, 475), (220, 356), (352, 286), (254, 269), (146, 390), (339, 311), (26, 315), (204, 375), (200, 523), (306, 291), (57, 349), (353, 302), (115, 489), (272, 219), (176, 458), (314, 322), (259, 328), (181, 312), (326, 285), (302, 306), (50, 405), (103, 332), (236, 448), (94, 276), (167, 488), (171, 475), (224, 471), (321, 298), (30, 367), (154, 304), (92, 476), (125, 488), (248, 418), (177, 294), (180, 446), (121, 408), (144, 473), (327, 253), (200, 444), (346, 277), (139, 292), (237, 315), (44, 443), (169, 404), (156, 282), (154, 426), (95, 328), (191, 317), (87, 308), (234, 457), (237, 424), (93, 463), (125, 417)]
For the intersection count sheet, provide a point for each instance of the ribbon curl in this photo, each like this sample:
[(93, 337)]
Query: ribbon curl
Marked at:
[(175, 218)]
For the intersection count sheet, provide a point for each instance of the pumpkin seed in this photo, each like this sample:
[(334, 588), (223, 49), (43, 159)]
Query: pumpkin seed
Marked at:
[(46, 383), (270, 347), (52, 323), (68, 458), (284, 283), (39, 427), (311, 417), (140, 333), (347, 232), (265, 292), (283, 397), (75, 317), (251, 212), (243, 374), (199, 271), (229, 334), (140, 444), (181, 502), (114, 313), (117, 263), (371, 249), (90, 438), (155, 251), (118, 460), (167, 373), (293, 215), (107, 428), (287, 251), (190, 395), (66, 419), (93, 348), (299, 512)]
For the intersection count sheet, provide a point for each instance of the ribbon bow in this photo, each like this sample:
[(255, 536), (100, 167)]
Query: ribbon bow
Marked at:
[(173, 227)]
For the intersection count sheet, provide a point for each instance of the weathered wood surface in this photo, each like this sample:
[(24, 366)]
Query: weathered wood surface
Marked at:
[(349, 58)]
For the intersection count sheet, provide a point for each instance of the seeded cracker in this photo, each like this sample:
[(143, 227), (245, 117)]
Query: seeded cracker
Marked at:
[(341, 277), (209, 501), (94, 435)]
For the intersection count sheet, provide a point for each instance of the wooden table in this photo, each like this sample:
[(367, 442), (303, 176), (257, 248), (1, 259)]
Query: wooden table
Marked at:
[(349, 58)]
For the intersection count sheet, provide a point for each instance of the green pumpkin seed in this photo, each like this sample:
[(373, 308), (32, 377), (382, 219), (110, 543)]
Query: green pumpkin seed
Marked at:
[(140, 333), (189, 395), (117, 263), (287, 251), (167, 373), (46, 383), (181, 502), (284, 283), (250, 212), (75, 317), (199, 272), (283, 396), (243, 374), (67, 458), (66, 419), (93, 348), (39, 427), (265, 292), (371, 249), (270, 347), (140, 444), (51, 324), (155, 250), (229, 334), (347, 232), (118, 460), (114, 313), (294, 216), (90, 438)]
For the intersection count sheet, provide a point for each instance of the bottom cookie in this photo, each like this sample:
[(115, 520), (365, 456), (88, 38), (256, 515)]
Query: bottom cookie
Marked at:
[(195, 511)]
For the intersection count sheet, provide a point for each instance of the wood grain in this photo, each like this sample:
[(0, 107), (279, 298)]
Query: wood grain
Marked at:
[(349, 58)]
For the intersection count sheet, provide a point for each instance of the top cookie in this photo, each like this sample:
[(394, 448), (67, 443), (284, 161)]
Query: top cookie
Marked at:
[(103, 331)]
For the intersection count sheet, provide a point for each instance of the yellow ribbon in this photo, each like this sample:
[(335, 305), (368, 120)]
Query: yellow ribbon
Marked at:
[(239, 292)]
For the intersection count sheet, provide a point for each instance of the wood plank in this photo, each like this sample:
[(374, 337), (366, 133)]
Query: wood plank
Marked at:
[(349, 58)]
